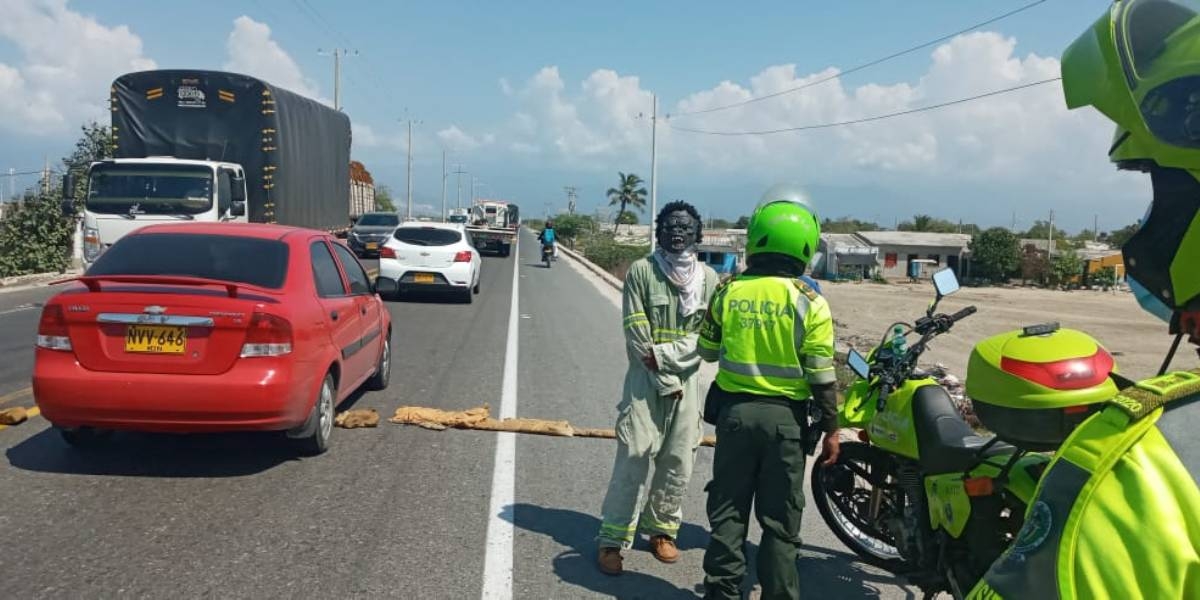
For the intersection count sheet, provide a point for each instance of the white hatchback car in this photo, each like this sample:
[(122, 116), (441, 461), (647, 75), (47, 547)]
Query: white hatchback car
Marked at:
[(432, 256)]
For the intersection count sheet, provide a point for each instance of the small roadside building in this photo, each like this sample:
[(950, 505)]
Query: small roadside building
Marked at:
[(845, 256), (917, 254)]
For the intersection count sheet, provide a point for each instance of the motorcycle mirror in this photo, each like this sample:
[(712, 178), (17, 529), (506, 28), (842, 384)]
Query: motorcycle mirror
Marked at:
[(858, 364), (946, 282)]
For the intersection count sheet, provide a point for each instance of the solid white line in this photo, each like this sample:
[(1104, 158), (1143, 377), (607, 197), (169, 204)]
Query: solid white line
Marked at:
[(498, 562)]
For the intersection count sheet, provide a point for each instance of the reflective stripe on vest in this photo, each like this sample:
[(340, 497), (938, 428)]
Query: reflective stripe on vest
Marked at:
[(1035, 565), (762, 328)]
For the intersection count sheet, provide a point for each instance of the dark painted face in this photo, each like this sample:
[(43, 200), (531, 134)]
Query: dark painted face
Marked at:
[(679, 232)]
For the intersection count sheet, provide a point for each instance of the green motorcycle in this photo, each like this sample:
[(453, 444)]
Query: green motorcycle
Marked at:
[(922, 494)]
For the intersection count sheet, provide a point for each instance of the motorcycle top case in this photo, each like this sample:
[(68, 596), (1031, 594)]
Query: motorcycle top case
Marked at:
[(1032, 387), (295, 151)]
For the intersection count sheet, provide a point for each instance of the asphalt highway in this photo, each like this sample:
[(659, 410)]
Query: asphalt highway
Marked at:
[(389, 512)]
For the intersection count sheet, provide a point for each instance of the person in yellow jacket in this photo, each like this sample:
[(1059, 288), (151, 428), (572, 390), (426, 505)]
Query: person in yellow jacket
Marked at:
[(772, 336), (1117, 512), (665, 298)]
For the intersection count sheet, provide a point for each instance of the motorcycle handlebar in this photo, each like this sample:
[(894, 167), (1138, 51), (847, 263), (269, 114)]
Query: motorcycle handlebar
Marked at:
[(962, 314)]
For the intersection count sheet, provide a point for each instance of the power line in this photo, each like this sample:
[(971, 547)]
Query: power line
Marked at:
[(864, 65), (869, 119)]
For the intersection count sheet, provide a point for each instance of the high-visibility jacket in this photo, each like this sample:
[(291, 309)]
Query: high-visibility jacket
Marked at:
[(1117, 514), (771, 336)]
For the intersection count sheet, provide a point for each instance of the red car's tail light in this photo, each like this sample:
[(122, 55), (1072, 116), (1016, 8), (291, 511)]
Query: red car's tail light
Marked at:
[(1070, 374), (52, 329), (386, 252), (268, 335), (464, 256)]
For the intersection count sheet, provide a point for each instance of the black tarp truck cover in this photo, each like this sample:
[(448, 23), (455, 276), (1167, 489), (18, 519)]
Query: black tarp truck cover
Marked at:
[(295, 151)]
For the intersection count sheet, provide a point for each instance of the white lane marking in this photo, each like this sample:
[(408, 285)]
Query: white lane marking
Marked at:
[(17, 309), (498, 562)]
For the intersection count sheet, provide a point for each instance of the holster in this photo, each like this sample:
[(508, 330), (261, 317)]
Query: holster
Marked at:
[(812, 429)]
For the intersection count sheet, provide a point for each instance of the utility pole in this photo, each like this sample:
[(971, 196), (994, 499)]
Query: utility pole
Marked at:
[(459, 172), (12, 183), (1050, 241), (45, 176), (337, 53), (409, 143), (653, 169), (473, 200), (570, 199), (444, 215), (1096, 227)]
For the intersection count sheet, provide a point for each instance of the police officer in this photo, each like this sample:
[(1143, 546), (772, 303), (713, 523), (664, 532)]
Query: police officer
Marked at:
[(772, 336), (1117, 513)]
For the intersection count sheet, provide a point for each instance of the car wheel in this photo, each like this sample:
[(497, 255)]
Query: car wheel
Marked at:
[(476, 288), (318, 428), (383, 370), (84, 437)]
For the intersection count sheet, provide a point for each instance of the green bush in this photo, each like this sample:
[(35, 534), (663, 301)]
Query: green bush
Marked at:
[(611, 256), (35, 237)]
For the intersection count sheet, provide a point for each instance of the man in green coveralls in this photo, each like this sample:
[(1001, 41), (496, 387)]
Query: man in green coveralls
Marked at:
[(665, 299)]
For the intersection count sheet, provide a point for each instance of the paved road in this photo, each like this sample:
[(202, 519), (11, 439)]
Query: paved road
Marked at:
[(389, 512)]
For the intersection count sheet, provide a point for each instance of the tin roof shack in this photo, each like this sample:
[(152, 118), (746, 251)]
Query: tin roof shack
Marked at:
[(845, 256), (724, 250), (917, 254)]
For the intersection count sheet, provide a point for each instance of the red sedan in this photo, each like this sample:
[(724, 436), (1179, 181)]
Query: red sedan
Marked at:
[(194, 327)]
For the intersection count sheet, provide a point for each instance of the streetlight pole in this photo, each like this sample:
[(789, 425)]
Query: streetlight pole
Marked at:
[(443, 186)]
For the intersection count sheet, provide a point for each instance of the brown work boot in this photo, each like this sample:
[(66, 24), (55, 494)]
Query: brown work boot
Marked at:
[(664, 548), (610, 561)]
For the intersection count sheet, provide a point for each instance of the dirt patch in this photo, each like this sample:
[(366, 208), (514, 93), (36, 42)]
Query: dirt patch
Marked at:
[(1139, 342)]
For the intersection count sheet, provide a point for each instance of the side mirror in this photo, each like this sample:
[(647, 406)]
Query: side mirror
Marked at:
[(68, 208), (385, 287), (946, 282), (237, 192), (68, 187), (238, 208), (858, 364)]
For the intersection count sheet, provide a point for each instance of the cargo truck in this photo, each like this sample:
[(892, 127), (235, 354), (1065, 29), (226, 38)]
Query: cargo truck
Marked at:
[(493, 226), (213, 146)]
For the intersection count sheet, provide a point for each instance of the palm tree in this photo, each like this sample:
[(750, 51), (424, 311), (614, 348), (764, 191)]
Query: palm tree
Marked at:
[(922, 222), (629, 194)]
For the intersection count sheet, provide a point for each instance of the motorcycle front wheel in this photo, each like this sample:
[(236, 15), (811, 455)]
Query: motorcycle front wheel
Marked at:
[(859, 498)]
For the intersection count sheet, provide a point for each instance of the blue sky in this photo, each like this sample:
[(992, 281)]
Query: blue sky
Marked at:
[(533, 96)]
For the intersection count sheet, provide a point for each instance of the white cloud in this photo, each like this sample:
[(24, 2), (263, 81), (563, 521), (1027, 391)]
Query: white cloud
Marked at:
[(252, 51), (67, 63), (457, 139), (1026, 139)]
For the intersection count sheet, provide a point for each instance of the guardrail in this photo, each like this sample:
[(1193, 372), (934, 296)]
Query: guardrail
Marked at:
[(589, 265)]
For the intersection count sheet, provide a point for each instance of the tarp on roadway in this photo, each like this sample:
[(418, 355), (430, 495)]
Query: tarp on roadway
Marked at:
[(295, 151)]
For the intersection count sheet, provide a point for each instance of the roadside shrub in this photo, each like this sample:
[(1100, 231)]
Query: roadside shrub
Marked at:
[(613, 257)]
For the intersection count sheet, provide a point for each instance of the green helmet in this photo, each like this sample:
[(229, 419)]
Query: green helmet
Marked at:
[(1139, 65), (784, 222)]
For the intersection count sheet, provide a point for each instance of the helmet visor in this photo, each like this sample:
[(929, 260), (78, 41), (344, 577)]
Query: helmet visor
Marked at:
[(1159, 45)]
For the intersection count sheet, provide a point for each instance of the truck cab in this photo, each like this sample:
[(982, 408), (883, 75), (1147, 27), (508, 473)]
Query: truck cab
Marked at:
[(121, 195)]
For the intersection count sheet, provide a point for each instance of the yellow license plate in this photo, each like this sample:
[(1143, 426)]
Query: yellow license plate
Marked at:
[(156, 339), (423, 278), (372, 246)]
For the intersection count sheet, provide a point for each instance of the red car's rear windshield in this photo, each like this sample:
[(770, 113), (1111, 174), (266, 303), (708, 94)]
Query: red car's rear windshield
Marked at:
[(253, 261)]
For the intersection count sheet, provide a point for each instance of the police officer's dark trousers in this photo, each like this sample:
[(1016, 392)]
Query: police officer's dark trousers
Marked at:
[(759, 458)]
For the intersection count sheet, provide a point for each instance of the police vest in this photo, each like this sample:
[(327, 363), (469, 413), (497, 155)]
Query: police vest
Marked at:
[(763, 327), (1141, 520)]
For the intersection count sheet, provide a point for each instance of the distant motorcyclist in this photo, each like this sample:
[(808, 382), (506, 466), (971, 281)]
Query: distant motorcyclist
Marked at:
[(1116, 514), (548, 237)]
